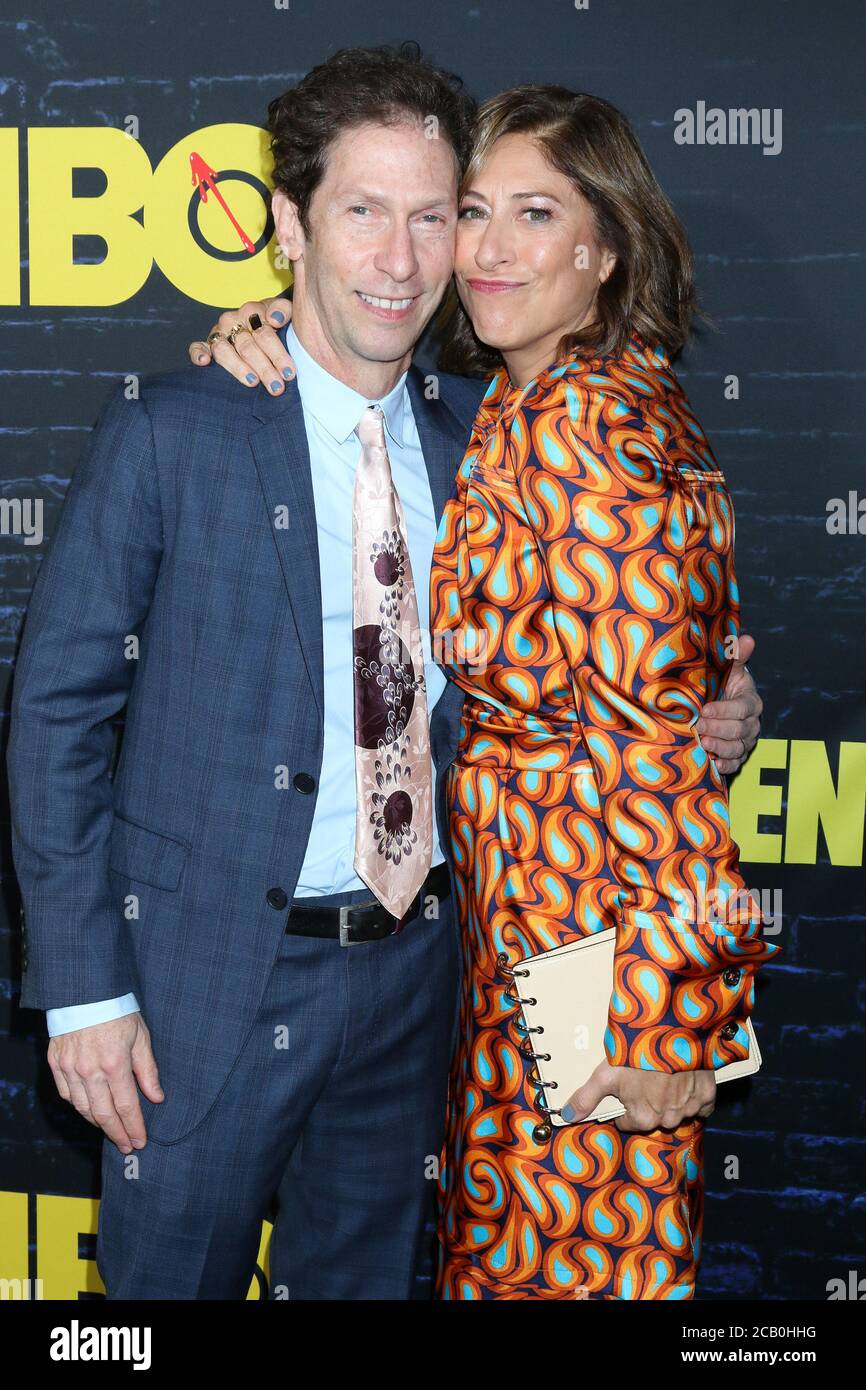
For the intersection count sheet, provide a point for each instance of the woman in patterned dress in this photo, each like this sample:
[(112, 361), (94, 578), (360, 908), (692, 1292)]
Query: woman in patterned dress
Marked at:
[(583, 595)]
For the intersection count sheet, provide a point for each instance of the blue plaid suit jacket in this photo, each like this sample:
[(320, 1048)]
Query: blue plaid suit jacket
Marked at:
[(172, 587)]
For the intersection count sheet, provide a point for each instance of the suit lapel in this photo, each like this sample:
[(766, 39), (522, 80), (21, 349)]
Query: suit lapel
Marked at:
[(283, 461), (443, 440)]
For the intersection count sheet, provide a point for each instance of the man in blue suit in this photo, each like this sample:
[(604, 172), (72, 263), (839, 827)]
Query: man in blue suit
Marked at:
[(226, 998)]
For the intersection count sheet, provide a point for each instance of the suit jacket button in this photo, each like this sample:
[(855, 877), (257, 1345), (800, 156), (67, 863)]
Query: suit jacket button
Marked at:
[(730, 1031), (277, 898), (732, 977), (303, 782)]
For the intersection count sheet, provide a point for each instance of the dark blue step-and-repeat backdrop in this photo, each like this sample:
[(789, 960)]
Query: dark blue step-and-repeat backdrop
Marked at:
[(113, 117)]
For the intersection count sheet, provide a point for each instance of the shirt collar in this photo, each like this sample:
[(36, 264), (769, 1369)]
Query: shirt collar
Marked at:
[(336, 406)]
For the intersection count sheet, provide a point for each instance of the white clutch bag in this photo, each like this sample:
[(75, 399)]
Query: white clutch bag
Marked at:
[(566, 993)]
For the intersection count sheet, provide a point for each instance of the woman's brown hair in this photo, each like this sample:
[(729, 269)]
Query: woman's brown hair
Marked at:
[(650, 290)]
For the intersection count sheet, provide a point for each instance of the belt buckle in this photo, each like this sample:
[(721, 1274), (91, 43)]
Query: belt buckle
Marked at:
[(345, 939)]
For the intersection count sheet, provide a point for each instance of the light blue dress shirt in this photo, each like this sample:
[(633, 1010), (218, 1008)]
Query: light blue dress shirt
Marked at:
[(331, 411)]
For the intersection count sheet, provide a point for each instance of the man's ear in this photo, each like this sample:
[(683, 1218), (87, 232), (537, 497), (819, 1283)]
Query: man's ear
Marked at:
[(290, 234)]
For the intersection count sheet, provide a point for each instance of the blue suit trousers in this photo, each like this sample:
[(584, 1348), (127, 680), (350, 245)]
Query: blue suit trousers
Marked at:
[(335, 1106)]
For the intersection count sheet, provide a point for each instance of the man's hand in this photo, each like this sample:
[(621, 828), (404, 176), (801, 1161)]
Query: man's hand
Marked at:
[(652, 1099), (258, 356), (96, 1070), (729, 727)]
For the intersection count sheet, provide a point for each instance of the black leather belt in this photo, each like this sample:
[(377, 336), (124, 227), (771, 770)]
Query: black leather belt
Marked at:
[(364, 921)]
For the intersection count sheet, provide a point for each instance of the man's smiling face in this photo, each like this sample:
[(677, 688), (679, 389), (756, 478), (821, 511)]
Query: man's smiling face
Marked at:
[(381, 247)]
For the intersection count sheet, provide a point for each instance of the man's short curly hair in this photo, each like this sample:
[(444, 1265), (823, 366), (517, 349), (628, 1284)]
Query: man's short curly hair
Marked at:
[(384, 85)]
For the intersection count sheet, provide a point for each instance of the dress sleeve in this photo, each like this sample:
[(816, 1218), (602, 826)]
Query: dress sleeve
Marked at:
[(639, 562)]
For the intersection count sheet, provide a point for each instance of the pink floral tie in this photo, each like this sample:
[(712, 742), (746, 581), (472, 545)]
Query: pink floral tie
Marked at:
[(393, 770)]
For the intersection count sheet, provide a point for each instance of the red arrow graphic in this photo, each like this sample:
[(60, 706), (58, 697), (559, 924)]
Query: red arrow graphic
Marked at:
[(204, 177)]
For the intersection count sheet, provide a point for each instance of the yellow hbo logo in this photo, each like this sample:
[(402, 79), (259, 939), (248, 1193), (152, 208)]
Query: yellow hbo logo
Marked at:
[(202, 215)]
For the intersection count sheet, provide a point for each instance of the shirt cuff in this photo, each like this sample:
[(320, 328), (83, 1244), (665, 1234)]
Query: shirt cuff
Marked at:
[(85, 1015)]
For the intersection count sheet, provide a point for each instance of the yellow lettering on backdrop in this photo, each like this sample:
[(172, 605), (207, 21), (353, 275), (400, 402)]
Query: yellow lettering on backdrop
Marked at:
[(60, 1221), (751, 798), (13, 1236), (56, 216), (210, 247), (262, 1260), (60, 1224), (813, 798), (236, 208), (10, 251)]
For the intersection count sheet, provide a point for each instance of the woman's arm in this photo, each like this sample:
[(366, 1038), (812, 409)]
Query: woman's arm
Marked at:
[(257, 357), (642, 579)]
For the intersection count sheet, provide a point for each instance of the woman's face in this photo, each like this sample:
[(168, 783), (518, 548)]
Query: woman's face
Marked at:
[(528, 265)]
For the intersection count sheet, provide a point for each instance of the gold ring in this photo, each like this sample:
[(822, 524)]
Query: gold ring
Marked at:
[(238, 328), (214, 337)]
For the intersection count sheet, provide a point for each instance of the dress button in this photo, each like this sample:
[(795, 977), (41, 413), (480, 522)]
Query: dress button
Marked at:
[(303, 782), (732, 977), (277, 897), (730, 1031), (542, 1132)]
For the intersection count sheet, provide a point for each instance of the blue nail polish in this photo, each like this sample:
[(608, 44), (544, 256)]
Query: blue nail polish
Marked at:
[(251, 377), (275, 387), (568, 1114), (278, 317), (288, 373)]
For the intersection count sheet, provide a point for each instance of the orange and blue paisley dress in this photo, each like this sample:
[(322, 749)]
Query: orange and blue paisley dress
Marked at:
[(583, 596)]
